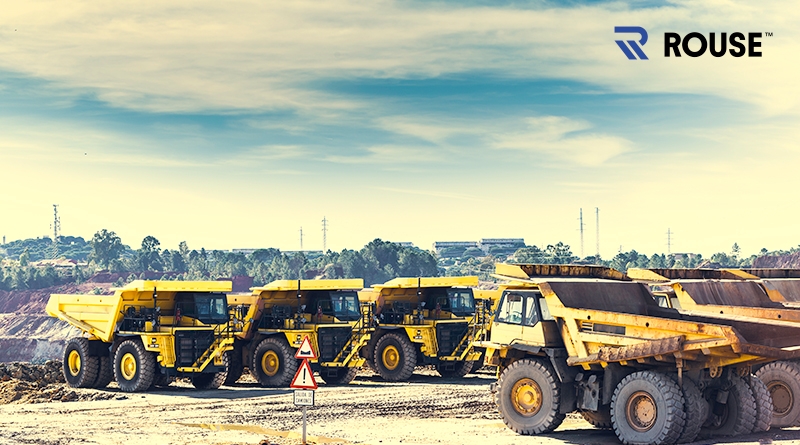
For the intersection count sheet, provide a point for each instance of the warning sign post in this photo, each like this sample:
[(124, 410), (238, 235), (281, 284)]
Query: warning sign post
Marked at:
[(303, 382)]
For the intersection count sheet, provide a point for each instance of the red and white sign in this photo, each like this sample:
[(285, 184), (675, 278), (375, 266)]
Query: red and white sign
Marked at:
[(305, 350), (304, 379)]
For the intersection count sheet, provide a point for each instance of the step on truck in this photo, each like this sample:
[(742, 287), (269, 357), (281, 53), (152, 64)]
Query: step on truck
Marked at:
[(425, 321), (603, 347), (146, 334), (274, 319), (770, 295)]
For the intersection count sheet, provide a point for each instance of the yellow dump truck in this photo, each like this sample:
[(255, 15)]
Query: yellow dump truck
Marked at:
[(425, 321), (274, 319), (605, 348), (738, 294), (147, 333)]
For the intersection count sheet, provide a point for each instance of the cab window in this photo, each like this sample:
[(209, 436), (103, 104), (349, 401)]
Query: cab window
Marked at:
[(510, 310)]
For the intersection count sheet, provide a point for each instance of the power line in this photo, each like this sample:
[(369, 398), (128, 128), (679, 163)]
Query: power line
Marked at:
[(56, 225), (669, 241), (581, 222), (301, 238)]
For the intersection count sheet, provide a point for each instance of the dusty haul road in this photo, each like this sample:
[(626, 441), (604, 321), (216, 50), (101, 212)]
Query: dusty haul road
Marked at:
[(428, 410)]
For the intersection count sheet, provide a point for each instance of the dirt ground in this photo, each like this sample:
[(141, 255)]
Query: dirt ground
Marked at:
[(427, 410)]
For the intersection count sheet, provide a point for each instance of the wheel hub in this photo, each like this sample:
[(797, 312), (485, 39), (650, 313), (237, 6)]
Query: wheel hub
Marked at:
[(128, 366), (782, 399), (642, 411), (391, 357), (270, 363), (74, 363), (526, 396)]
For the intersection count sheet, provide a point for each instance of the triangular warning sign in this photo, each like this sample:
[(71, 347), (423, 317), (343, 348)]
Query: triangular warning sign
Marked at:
[(305, 350), (304, 379)]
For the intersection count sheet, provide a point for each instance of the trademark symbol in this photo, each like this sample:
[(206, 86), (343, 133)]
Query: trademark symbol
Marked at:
[(768, 34)]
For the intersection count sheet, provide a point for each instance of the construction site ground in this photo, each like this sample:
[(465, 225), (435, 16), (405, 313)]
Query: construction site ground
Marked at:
[(427, 410)]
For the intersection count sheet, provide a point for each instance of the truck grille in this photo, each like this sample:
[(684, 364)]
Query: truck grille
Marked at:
[(190, 345), (449, 335), (331, 342)]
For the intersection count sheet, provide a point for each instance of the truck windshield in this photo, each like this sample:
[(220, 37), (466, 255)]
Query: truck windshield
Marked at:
[(211, 308), (462, 302), (345, 305)]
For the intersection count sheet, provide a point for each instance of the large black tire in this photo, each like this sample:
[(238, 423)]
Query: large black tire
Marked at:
[(338, 376), (452, 370), (134, 367), (528, 397), (763, 404), (647, 408), (783, 383), (734, 418), (696, 408), (235, 365), (394, 357), (80, 369), (600, 418), (273, 363), (105, 372)]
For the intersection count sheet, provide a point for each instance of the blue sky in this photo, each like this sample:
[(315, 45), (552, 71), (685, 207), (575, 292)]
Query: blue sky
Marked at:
[(234, 125)]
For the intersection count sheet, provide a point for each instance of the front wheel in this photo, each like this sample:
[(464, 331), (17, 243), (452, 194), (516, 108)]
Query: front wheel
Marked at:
[(134, 367), (647, 408), (273, 363), (235, 365), (528, 397), (783, 383), (211, 380), (394, 357)]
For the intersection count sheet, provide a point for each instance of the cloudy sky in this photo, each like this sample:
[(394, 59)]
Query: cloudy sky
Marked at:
[(234, 124)]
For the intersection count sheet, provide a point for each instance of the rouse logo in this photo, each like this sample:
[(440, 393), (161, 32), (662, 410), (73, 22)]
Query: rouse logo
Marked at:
[(633, 45), (673, 39)]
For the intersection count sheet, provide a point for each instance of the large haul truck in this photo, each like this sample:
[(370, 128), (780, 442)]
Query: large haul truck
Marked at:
[(146, 334), (767, 294), (425, 321), (605, 348), (274, 319)]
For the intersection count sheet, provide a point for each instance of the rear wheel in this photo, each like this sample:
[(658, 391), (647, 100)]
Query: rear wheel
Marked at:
[(161, 380), (273, 362), (528, 397), (451, 370), (783, 383), (763, 404), (338, 376), (80, 369), (395, 357), (134, 367), (105, 372), (735, 417), (696, 409), (647, 408)]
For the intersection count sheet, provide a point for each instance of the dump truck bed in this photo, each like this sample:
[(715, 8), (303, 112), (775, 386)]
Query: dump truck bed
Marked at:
[(612, 321), (98, 315)]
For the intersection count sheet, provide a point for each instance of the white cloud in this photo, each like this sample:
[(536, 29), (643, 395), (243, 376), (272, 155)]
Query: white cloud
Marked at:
[(170, 56)]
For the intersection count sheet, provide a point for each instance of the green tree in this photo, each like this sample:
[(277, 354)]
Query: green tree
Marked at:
[(106, 248), (149, 256)]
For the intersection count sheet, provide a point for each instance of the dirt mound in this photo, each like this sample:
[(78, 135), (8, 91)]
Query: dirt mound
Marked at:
[(27, 383), (34, 301), (791, 261)]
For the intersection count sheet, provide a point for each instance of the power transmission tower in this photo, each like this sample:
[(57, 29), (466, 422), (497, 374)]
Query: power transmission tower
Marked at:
[(669, 241), (324, 234), (597, 226), (56, 231), (581, 220), (301, 238)]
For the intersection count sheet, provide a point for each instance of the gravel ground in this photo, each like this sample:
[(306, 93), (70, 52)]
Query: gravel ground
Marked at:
[(427, 410)]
